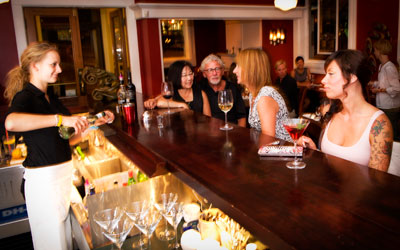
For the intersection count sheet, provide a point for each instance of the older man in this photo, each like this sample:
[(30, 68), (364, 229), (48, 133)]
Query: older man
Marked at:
[(213, 70)]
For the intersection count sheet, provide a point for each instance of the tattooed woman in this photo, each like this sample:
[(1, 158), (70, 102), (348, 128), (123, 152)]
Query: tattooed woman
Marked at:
[(353, 129)]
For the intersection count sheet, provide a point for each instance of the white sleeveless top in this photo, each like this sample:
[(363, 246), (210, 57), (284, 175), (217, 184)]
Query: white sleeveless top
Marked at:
[(359, 152)]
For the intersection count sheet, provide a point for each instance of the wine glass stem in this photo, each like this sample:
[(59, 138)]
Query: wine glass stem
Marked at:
[(176, 237), (295, 150), (168, 105), (226, 119), (148, 242)]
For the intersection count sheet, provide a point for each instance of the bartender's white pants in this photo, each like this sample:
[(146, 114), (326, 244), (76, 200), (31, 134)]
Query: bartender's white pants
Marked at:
[(47, 196)]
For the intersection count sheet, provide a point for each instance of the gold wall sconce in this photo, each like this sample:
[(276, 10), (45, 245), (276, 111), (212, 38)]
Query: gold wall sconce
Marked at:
[(277, 36), (285, 5)]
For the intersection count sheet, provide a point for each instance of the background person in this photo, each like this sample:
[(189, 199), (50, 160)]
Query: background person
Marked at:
[(267, 107), (387, 88), (48, 166), (288, 86), (354, 129), (187, 94), (213, 70)]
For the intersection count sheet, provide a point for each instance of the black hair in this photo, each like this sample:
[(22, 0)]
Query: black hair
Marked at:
[(175, 73), (299, 58), (350, 62)]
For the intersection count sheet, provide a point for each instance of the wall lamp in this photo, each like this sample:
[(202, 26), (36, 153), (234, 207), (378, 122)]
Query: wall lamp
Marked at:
[(285, 5), (277, 36)]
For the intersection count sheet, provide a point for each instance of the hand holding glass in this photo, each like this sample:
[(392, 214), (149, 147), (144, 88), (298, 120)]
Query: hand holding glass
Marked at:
[(225, 103)]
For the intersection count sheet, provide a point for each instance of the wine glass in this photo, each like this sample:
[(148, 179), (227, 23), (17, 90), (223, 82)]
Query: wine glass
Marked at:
[(134, 211), (117, 233), (164, 206), (147, 223), (174, 217), (167, 90), (296, 128), (225, 103)]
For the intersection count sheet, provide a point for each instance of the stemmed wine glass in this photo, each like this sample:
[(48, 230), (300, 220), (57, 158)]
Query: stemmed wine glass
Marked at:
[(225, 103), (134, 211), (148, 223), (117, 233), (296, 128), (167, 90), (164, 206)]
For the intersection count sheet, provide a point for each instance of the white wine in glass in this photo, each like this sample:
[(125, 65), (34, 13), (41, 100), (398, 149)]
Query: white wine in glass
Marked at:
[(225, 103), (167, 91)]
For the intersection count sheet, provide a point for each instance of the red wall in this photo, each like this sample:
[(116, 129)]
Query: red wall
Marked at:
[(281, 51), (149, 56), (8, 45), (370, 12)]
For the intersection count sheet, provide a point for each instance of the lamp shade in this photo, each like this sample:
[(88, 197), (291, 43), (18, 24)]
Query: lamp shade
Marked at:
[(285, 5)]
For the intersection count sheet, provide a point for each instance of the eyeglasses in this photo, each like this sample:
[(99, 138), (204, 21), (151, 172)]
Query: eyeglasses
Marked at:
[(189, 74), (217, 69)]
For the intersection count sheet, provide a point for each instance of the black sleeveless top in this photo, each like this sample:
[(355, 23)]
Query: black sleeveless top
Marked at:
[(197, 103)]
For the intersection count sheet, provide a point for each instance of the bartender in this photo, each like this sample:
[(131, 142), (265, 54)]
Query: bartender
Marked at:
[(48, 166)]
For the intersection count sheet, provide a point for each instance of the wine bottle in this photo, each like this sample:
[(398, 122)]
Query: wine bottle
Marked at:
[(130, 90), (67, 132), (121, 94), (141, 177), (131, 180)]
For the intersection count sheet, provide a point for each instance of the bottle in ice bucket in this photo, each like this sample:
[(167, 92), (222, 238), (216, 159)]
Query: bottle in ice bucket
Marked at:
[(141, 177), (67, 132), (131, 180)]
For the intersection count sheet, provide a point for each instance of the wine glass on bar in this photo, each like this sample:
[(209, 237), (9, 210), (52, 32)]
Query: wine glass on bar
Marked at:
[(148, 222), (225, 103), (117, 233), (167, 90), (295, 128)]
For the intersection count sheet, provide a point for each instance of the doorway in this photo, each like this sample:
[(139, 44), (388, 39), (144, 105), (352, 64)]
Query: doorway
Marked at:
[(85, 37)]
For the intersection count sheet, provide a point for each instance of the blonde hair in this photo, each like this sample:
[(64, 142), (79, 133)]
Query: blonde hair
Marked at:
[(383, 46), (255, 69), (20, 75)]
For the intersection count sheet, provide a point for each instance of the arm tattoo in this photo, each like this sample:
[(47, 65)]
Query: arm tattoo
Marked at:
[(378, 126)]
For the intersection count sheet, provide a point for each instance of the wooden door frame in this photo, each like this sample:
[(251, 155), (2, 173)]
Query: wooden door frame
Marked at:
[(31, 32)]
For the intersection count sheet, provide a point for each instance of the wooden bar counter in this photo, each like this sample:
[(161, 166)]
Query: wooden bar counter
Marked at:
[(331, 204)]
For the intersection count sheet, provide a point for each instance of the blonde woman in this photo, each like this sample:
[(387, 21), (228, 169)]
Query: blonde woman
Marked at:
[(267, 106), (48, 167)]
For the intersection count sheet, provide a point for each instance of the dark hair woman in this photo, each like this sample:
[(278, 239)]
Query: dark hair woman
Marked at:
[(187, 94), (354, 129)]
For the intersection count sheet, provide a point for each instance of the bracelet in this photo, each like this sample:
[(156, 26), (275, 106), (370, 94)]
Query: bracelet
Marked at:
[(59, 120)]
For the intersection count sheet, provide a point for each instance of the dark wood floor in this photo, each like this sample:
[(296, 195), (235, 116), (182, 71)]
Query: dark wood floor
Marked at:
[(17, 242)]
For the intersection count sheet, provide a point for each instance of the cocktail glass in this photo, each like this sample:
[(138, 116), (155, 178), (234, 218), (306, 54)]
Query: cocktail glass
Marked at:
[(147, 223), (296, 128), (164, 206), (108, 218), (174, 217), (134, 211), (118, 232)]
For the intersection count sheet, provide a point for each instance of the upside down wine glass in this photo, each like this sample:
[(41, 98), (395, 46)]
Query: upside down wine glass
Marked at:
[(296, 128), (225, 103), (167, 90)]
